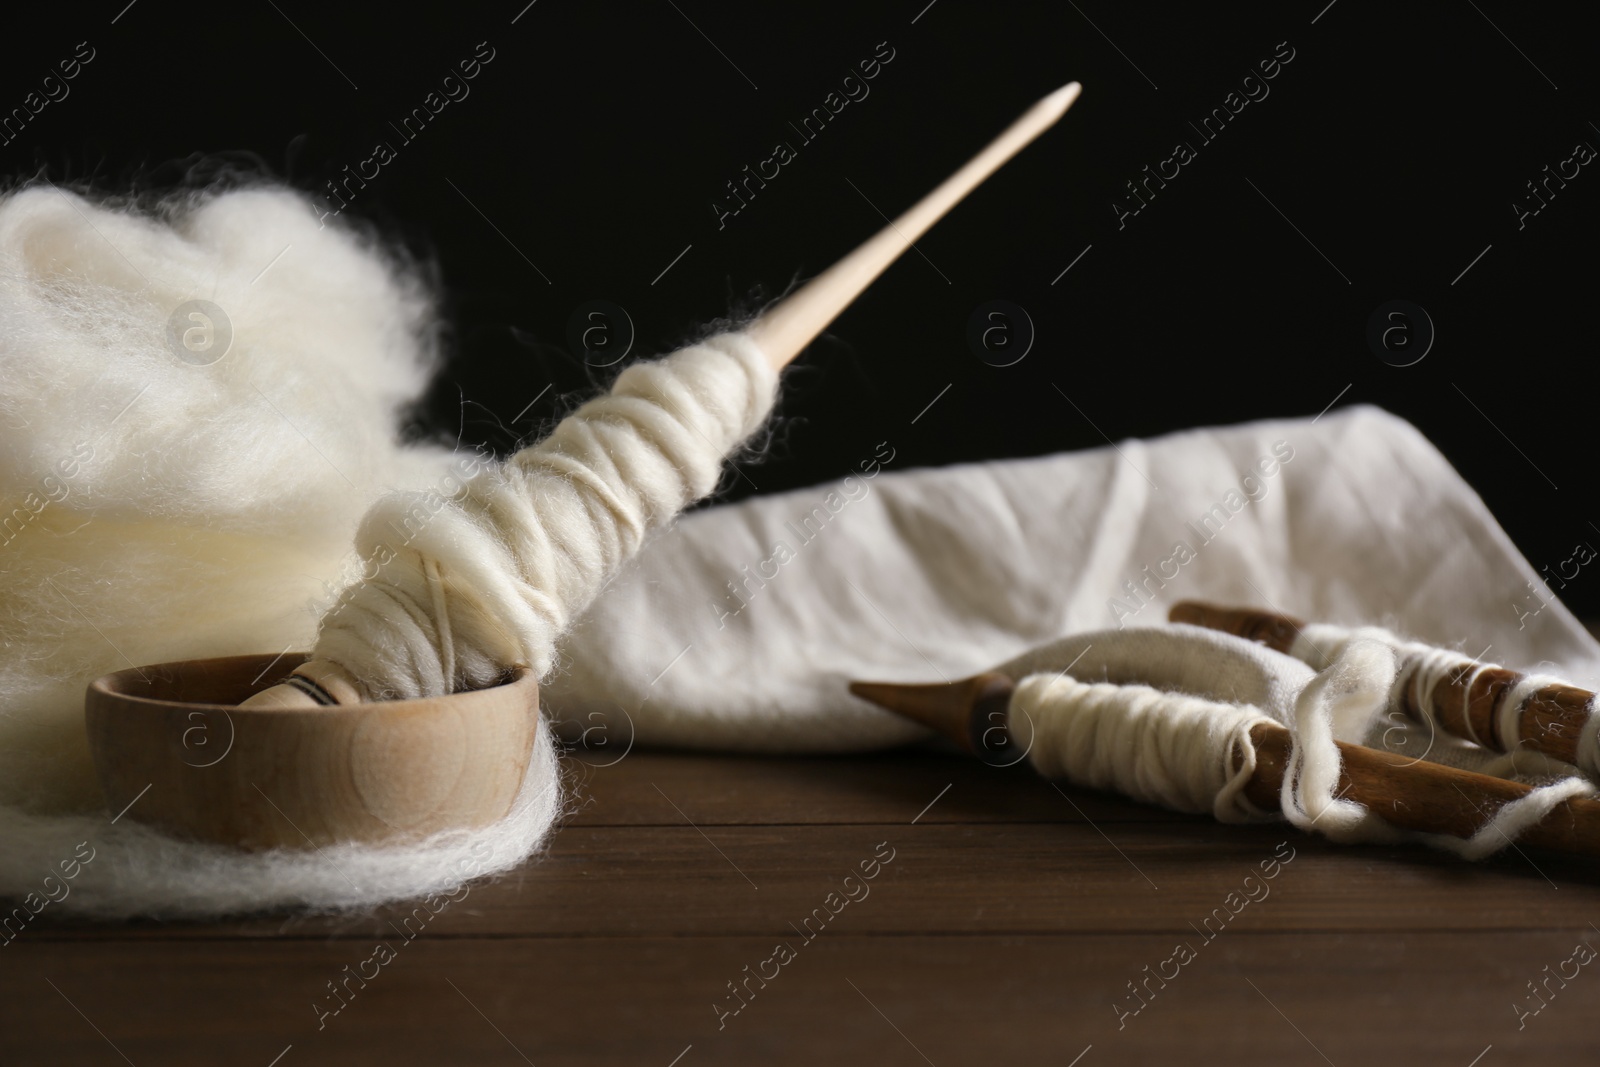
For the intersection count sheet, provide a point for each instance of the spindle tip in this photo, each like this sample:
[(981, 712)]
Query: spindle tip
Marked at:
[(972, 712), (786, 328), (1055, 104)]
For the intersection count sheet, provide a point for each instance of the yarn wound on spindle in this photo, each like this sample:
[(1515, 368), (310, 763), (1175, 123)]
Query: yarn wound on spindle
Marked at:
[(1194, 754), (1423, 667), (1170, 749), (494, 578)]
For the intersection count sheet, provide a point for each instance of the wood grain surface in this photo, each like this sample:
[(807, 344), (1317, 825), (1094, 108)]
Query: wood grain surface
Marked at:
[(1006, 927)]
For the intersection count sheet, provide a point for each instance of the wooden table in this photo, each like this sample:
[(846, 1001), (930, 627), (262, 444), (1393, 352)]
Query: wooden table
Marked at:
[(1005, 928)]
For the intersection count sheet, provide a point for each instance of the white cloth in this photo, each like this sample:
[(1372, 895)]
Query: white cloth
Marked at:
[(918, 575)]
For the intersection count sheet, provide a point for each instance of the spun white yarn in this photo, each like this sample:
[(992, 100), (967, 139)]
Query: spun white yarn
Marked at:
[(1170, 749), (1351, 689), (1358, 683), (1179, 750), (1422, 667), (496, 576)]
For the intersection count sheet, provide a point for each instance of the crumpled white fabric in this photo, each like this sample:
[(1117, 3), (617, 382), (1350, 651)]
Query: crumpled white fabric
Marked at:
[(927, 574)]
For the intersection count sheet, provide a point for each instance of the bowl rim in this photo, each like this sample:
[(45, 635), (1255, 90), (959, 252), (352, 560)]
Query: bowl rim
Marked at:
[(112, 687)]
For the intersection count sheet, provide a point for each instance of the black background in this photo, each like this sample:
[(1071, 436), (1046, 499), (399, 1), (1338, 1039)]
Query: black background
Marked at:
[(599, 136)]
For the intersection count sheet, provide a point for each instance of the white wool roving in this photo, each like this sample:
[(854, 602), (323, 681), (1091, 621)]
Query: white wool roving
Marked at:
[(493, 578), (160, 503), (158, 507)]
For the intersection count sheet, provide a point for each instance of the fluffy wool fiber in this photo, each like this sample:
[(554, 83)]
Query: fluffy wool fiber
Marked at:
[(158, 508)]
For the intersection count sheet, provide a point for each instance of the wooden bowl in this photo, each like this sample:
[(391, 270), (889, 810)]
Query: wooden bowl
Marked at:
[(172, 747)]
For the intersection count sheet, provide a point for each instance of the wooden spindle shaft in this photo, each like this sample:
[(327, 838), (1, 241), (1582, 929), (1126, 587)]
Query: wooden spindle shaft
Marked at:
[(1277, 632), (786, 328), (1419, 795), (1405, 792), (1550, 721)]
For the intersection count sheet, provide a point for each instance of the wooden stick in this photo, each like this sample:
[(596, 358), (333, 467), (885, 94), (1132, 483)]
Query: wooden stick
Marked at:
[(1550, 721), (1411, 794), (785, 330)]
